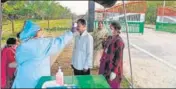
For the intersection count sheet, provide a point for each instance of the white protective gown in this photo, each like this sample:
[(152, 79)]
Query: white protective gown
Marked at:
[(33, 56)]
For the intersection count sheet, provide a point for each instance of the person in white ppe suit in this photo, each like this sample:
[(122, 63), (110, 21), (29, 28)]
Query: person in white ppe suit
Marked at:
[(33, 54)]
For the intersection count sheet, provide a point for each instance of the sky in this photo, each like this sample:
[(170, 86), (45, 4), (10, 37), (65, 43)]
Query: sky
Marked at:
[(78, 7)]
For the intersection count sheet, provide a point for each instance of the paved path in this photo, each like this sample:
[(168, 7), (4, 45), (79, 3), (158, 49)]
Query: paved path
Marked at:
[(153, 59)]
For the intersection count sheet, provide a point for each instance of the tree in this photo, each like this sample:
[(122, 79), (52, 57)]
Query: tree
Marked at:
[(152, 6), (12, 9), (50, 11), (151, 11), (34, 9)]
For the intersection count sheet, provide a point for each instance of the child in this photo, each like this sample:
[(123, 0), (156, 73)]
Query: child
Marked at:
[(7, 63)]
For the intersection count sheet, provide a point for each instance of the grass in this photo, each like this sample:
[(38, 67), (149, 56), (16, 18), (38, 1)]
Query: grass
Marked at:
[(43, 23), (18, 24), (125, 83)]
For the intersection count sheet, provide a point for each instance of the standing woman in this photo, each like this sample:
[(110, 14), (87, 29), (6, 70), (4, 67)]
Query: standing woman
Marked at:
[(98, 37), (111, 63)]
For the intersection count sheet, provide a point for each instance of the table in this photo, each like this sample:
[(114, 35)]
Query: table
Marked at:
[(82, 81)]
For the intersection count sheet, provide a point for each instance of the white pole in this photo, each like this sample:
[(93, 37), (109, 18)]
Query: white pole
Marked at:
[(113, 12), (0, 26), (163, 12), (129, 53)]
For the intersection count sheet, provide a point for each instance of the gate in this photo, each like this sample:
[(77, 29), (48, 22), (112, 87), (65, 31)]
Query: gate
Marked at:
[(135, 16)]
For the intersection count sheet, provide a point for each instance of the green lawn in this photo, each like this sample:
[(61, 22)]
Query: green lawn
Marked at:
[(125, 83), (18, 24)]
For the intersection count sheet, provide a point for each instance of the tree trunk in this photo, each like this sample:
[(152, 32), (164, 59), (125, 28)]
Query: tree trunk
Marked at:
[(42, 17), (48, 23), (12, 21)]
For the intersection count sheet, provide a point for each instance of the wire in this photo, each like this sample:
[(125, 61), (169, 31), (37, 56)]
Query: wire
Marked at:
[(129, 52)]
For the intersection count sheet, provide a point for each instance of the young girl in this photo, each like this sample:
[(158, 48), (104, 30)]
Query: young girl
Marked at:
[(8, 63), (111, 63)]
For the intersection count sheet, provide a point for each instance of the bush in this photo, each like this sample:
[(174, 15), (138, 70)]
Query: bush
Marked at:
[(57, 29)]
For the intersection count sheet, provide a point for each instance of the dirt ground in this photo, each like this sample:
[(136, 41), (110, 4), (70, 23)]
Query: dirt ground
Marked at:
[(64, 60)]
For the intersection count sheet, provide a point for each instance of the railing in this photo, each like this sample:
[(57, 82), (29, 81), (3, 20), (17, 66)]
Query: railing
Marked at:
[(134, 27), (167, 27)]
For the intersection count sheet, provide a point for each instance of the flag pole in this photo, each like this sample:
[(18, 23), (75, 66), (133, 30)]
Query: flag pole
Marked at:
[(128, 42), (163, 12)]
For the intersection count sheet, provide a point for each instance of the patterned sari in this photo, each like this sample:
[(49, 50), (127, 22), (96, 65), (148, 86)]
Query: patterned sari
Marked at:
[(98, 36), (112, 60)]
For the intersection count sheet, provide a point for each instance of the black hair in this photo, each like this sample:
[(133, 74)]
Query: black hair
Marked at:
[(82, 21), (100, 22), (11, 41), (18, 35), (116, 25)]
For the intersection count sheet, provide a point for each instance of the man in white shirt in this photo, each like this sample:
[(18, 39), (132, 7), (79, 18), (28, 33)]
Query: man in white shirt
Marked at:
[(83, 50)]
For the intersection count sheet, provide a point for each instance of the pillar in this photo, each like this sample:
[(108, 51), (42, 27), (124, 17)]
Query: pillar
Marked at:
[(91, 15)]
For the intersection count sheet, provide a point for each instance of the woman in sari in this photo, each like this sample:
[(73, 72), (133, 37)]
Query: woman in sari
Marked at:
[(7, 63), (98, 36), (111, 63)]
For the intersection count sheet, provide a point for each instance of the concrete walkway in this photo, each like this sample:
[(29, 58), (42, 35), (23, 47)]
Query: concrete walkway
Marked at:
[(153, 59)]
